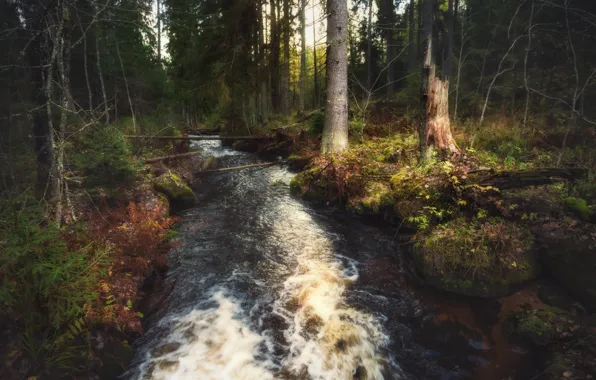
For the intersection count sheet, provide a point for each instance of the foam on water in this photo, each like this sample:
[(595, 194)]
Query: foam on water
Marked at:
[(215, 343)]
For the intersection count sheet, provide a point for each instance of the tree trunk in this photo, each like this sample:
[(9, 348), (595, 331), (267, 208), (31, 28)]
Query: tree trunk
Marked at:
[(132, 111), (285, 86), (43, 136), (158, 32), (85, 67), (302, 54), (263, 71), (102, 83), (452, 15), (335, 131), (274, 60), (314, 48), (369, 48), (413, 47), (435, 128)]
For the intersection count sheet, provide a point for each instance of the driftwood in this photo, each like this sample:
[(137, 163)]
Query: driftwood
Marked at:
[(199, 137), (223, 170), (537, 177), (172, 157)]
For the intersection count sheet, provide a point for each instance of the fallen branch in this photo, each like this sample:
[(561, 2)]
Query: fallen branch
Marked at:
[(519, 179), (172, 157), (199, 137), (233, 168)]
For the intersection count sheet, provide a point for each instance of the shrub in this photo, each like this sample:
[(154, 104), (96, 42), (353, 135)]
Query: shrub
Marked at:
[(105, 159), (43, 281)]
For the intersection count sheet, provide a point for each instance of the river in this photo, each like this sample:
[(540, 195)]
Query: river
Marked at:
[(266, 286)]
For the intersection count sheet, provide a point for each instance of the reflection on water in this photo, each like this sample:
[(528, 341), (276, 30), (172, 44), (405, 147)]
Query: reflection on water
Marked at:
[(263, 287)]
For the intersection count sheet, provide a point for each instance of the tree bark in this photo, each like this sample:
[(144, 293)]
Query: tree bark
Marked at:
[(132, 111), (369, 48), (302, 54), (413, 47), (43, 136), (102, 83), (285, 86), (158, 32), (314, 48), (85, 67), (435, 128), (263, 71), (335, 131), (274, 60), (452, 15), (390, 63)]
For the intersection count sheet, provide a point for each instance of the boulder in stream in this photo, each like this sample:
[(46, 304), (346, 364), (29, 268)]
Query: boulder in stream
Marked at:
[(178, 192), (569, 256)]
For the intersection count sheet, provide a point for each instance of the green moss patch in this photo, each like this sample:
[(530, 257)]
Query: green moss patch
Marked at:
[(479, 257), (578, 206), (172, 186)]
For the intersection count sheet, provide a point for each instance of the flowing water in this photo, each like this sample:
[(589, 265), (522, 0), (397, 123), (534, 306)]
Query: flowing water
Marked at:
[(264, 286)]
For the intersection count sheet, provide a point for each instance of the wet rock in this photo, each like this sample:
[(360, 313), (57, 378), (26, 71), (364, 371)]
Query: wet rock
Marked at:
[(569, 256), (165, 349), (360, 373), (178, 192), (555, 296), (482, 258), (169, 365)]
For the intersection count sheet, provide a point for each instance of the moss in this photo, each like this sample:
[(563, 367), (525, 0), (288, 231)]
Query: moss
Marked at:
[(377, 196), (579, 206), (177, 191), (476, 257)]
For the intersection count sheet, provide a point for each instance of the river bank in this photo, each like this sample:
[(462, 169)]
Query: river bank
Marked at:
[(527, 243)]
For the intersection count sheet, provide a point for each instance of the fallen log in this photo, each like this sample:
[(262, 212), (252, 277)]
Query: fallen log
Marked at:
[(519, 179), (171, 157), (200, 137), (211, 131), (233, 168)]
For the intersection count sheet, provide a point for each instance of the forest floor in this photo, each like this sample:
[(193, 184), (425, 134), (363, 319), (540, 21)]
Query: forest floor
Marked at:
[(494, 221)]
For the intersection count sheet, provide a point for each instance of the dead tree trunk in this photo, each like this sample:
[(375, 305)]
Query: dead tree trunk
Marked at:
[(435, 127), (335, 131)]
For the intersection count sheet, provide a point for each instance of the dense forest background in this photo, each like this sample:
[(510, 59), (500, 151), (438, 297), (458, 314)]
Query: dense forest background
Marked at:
[(79, 76)]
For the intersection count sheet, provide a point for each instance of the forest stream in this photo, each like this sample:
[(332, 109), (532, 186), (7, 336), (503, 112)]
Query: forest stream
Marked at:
[(266, 286)]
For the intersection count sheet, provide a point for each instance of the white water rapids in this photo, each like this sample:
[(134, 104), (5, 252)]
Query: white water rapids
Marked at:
[(299, 282)]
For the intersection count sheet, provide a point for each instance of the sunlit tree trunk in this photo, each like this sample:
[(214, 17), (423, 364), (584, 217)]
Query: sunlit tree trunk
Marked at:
[(315, 74), (302, 54), (335, 131), (158, 31), (369, 48), (263, 71), (274, 59), (285, 81), (435, 127)]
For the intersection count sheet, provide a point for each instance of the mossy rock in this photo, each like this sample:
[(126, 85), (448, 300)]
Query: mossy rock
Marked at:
[(539, 327), (482, 258), (309, 186), (570, 258), (579, 207), (178, 192), (377, 196)]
